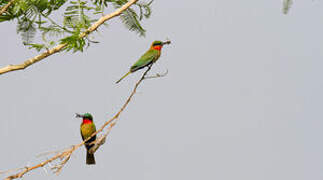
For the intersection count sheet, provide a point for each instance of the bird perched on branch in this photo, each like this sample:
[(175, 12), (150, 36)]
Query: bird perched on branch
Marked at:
[(150, 57), (87, 129)]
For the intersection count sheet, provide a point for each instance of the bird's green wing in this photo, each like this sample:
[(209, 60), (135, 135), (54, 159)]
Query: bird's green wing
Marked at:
[(145, 60)]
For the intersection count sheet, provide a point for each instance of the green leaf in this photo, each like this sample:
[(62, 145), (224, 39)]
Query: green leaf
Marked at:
[(27, 30), (287, 5), (74, 42), (130, 19), (145, 10), (38, 47)]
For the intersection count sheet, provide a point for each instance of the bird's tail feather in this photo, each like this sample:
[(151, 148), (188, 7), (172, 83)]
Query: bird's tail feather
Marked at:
[(90, 158), (123, 77)]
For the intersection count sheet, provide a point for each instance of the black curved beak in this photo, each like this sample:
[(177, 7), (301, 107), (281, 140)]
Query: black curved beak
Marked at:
[(77, 115)]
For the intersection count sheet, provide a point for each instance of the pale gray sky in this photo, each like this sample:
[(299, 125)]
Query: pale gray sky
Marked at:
[(242, 100)]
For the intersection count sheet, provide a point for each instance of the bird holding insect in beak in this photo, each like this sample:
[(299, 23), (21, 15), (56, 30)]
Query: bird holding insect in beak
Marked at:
[(87, 129), (150, 57)]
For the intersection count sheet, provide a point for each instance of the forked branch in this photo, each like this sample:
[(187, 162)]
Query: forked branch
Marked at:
[(65, 154)]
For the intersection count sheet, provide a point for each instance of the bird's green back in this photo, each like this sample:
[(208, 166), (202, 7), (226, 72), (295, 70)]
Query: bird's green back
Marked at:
[(149, 57)]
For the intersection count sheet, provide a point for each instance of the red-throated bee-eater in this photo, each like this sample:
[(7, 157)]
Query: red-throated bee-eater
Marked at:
[(87, 129), (150, 57)]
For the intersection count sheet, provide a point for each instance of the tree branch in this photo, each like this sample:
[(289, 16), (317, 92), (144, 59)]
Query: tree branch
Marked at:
[(5, 7), (59, 47), (65, 154)]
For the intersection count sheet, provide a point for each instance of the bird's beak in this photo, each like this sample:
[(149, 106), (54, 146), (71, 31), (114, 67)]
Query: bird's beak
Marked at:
[(166, 42), (77, 115)]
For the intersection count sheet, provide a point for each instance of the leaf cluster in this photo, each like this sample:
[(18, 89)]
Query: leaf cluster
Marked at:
[(35, 17)]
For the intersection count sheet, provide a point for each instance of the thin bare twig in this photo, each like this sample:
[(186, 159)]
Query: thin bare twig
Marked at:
[(5, 7), (66, 154), (48, 153), (59, 47), (10, 170), (157, 75)]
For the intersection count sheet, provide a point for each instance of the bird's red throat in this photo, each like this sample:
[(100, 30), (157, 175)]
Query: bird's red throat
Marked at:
[(157, 48), (87, 121)]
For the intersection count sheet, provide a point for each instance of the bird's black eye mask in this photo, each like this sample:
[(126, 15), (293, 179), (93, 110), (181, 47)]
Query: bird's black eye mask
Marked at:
[(157, 44)]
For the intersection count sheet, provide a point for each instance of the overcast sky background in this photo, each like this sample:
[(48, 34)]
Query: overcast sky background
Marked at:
[(242, 100)]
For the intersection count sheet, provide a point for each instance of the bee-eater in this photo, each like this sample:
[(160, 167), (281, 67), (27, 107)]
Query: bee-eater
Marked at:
[(150, 57), (87, 129)]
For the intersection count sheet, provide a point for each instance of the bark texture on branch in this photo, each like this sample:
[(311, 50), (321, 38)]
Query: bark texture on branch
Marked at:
[(5, 7)]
